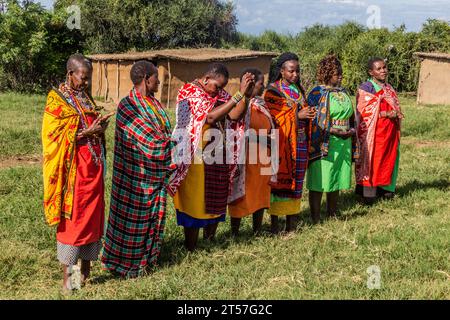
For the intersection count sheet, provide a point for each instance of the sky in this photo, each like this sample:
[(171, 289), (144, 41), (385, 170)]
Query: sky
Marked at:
[(292, 16)]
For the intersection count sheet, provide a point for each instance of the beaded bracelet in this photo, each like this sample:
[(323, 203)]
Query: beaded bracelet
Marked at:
[(238, 96)]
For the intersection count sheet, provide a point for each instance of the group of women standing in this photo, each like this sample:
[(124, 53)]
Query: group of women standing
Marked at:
[(208, 163)]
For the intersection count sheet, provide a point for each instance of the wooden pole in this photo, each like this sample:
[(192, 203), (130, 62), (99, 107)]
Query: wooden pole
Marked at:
[(118, 80), (106, 80), (168, 89)]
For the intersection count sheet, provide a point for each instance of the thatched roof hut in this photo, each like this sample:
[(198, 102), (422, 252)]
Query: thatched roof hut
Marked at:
[(434, 79), (111, 75)]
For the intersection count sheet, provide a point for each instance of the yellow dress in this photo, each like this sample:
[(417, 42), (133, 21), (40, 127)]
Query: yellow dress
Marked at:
[(190, 196), (283, 207)]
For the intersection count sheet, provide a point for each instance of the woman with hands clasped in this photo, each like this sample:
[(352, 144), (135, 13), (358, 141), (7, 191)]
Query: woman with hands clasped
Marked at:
[(332, 134), (286, 100)]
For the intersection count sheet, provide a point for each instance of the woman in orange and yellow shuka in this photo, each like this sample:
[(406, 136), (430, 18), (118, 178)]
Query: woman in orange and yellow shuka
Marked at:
[(74, 155)]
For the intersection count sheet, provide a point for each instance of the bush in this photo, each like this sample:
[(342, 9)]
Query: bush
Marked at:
[(34, 45), (116, 26), (355, 45)]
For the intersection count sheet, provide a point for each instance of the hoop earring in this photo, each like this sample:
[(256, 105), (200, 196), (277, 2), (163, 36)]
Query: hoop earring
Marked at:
[(68, 86)]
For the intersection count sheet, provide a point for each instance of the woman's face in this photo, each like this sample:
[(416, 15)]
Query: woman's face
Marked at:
[(153, 82), (259, 87), (336, 78), (79, 79), (213, 85), (290, 71), (379, 71)]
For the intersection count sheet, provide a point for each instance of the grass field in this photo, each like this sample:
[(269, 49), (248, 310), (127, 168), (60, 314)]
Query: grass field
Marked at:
[(408, 238)]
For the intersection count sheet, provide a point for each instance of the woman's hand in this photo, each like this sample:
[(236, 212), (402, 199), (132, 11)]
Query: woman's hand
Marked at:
[(342, 133), (247, 84), (306, 114), (392, 114), (96, 128)]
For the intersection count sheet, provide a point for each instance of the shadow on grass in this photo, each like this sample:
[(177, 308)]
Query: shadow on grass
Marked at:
[(414, 185), (103, 278), (173, 251), (349, 201)]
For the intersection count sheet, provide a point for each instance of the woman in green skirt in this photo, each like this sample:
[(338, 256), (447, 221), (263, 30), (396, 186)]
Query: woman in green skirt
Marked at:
[(330, 152)]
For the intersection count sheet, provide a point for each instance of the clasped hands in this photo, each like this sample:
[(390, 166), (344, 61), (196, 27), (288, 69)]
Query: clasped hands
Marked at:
[(97, 127), (307, 113), (343, 133), (391, 114)]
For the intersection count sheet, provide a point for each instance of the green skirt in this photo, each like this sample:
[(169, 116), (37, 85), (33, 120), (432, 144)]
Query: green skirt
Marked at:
[(334, 172)]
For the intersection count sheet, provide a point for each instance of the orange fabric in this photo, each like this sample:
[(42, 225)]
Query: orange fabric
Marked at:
[(86, 223), (284, 113), (257, 188)]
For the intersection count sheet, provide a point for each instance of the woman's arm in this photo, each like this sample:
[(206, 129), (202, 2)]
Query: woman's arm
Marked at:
[(234, 110)]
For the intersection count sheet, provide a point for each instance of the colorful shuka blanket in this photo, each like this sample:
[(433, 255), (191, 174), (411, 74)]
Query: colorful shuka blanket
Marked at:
[(142, 166), (284, 104), (319, 98), (367, 117), (62, 117), (238, 181), (193, 106)]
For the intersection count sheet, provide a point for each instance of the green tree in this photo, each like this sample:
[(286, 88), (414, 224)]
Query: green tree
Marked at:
[(34, 45), (117, 26)]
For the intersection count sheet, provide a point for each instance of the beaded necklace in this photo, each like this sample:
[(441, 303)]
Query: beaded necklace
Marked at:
[(74, 100), (287, 94), (153, 104)]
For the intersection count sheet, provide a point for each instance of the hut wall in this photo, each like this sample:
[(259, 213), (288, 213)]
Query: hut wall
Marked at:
[(182, 72), (125, 81), (434, 82), (97, 79), (111, 79)]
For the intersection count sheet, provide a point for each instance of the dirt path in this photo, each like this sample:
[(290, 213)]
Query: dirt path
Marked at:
[(425, 143), (21, 161)]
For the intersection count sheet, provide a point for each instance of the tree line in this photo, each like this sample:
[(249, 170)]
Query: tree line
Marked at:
[(35, 42)]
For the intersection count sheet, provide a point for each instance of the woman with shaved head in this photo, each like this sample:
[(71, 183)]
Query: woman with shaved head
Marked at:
[(379, 117), (142, 166), (207, 116), (74, 154)]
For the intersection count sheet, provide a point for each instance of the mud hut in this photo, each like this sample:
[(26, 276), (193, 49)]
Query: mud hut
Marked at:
[(434, 78), (111, 74)]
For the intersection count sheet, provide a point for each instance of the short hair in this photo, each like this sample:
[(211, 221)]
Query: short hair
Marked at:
[(327, 67), (254, 71), (141, 70), (76, 61), (217, 69), (372, 61)]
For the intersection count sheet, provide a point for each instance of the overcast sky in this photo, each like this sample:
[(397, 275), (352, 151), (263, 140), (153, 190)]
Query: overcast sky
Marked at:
[(291, 16)]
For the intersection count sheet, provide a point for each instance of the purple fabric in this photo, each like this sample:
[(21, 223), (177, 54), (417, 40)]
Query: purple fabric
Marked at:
[(368, 87)]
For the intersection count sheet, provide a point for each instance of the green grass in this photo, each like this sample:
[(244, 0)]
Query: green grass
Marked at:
[(408, 237), (20, 125)]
